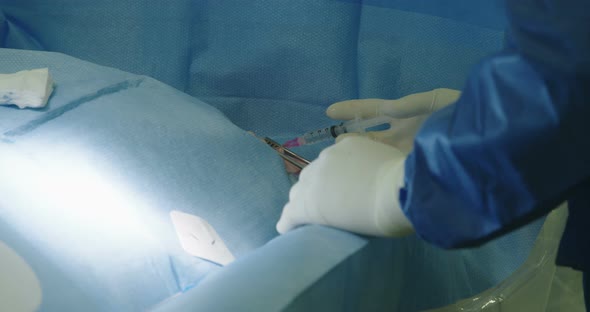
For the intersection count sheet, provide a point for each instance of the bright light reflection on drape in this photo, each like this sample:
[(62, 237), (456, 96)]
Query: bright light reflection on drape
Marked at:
[(65, 200)]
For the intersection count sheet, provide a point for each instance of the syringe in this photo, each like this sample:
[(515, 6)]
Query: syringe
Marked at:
[(355, 125)]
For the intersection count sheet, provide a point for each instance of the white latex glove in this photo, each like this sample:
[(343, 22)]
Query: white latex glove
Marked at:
[(408, 114), (353, 185)]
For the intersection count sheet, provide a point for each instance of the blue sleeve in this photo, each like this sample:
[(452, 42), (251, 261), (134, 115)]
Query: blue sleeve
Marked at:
[(517, 142)]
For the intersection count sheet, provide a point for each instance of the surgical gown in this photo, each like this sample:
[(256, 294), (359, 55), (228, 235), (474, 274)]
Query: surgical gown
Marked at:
[(515, 144)]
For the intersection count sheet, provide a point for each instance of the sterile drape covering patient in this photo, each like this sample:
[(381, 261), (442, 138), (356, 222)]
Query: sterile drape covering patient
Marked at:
[(87, 185)]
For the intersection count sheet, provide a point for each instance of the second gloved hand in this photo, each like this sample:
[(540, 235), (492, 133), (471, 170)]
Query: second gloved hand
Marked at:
[(407, 113), (353, 185)]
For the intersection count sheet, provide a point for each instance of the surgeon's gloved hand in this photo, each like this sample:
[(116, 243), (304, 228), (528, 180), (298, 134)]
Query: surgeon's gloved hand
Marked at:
[(408, 114), (353, 185)]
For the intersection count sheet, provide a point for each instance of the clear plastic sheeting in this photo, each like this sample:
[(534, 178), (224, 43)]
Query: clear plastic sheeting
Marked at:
[(538, 285)]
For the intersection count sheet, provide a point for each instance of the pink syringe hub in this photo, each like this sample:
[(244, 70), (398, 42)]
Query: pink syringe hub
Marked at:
[(294, 143)]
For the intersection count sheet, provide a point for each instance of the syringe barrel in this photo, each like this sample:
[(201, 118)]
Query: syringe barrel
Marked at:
[(355, 125), (318, 135), (361, 125)]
